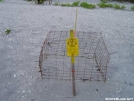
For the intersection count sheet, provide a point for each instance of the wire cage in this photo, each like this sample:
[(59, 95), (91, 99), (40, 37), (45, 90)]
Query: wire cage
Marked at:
[(91, 64)]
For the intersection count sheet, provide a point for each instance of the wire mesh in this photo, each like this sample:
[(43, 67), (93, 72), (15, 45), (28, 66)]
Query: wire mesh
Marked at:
[(91, 64)]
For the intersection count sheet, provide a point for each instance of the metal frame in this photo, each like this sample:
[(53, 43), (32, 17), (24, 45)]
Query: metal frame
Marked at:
[(91, 64)]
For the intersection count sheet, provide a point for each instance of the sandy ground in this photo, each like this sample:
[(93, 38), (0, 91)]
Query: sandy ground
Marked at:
[(29, 24)]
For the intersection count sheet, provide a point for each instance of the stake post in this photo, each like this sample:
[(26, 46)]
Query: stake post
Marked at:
[(72, 49)]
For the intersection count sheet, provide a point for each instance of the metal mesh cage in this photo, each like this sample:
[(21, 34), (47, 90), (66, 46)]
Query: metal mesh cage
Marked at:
[(91, 64)]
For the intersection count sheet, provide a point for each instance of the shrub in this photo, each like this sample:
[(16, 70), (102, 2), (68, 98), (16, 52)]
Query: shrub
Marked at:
[(109, 5), (91, 6), (102, 5), (74, 4), (132, 8), (132, 1), (66, 4), (83, 4), (122, 7), (40, 2), (88, 6), (116, 6)]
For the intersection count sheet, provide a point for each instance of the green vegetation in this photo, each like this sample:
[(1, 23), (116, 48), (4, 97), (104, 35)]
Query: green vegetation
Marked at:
[(36, 1), (75, 4), (83, 4), (132, 8), (41, 1), (104, 5), (2, 0), (57, 3), (110, 5), (123, 7), (105, 1), (66, 4), (92, 6), (116, 6), (132, 1), (8, 31), (28, 0), (88, 6)]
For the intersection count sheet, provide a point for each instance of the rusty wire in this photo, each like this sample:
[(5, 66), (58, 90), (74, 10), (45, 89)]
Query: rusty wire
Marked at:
[(91, 64)]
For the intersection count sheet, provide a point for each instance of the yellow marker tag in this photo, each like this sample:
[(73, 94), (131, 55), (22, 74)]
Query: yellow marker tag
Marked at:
[(72, 46)]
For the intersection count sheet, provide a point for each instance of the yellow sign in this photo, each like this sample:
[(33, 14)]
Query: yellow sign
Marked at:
[(72, 45)]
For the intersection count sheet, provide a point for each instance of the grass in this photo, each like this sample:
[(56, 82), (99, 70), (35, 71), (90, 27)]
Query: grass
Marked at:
[(110, 5), (83, 4), (102, 5), (116, 6), (123, 7), (8, 31), (131, 1), (75, 4), (132, 8), (87, 5), (66, 4)]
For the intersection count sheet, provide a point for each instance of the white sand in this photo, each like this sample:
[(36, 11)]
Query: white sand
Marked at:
[(29, 24)]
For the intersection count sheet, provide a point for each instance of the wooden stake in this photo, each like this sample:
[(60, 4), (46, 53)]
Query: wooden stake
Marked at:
[(73, 66), (73, 76)]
